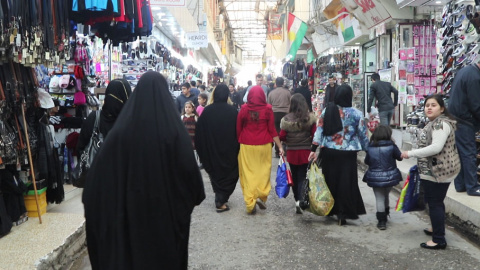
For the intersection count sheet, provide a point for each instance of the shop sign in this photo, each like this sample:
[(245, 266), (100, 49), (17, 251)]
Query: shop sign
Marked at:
[(168, 3), (370, 12), (196, 40)]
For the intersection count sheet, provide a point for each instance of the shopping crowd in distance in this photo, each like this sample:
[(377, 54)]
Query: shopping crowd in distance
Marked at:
[(145, 180)]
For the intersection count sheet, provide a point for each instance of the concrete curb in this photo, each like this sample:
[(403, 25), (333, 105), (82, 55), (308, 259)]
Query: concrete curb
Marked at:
[(64, 256), (461, 217)]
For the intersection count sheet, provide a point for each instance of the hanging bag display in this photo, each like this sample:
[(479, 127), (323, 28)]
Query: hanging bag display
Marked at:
[(89, 153), (282, 188), (79, 98), (320, 199)]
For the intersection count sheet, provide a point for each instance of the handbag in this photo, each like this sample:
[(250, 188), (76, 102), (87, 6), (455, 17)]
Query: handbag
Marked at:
[(320, 198), (282, 188), (86, 158)]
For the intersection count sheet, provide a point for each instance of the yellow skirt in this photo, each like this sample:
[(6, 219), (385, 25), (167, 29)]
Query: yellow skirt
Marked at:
[(255, 164)]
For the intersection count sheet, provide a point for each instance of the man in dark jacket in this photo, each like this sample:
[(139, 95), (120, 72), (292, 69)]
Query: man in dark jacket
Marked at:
[(464, 104), (184, 97), (382, 92), (330, 90), (305, 92)]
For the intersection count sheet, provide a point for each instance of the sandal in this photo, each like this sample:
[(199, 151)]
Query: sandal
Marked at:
[(220, 210)]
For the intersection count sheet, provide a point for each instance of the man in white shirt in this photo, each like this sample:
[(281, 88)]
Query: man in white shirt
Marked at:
[(259, 78)]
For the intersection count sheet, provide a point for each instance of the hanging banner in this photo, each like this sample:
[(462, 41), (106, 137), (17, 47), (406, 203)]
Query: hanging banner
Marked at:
[(196, 40), (348, 26), (274, 27), (369, 12), (168, 3)]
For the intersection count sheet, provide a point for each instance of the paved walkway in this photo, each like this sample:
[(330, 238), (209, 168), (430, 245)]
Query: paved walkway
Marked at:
[(57, 242)]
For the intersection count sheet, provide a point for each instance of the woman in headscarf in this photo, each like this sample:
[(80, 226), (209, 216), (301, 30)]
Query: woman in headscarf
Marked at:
[(116, 95), (341, 133), (256, 132), (143, 185), (217, 146)]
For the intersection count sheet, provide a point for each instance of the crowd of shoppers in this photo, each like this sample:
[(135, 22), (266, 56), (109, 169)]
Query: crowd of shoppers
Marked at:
[(145, 181)]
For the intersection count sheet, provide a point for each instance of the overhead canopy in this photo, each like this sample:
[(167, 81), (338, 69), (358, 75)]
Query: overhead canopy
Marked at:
[(247, 19)]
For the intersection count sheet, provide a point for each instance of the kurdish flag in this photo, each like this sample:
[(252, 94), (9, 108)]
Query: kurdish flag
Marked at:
[(296, 31), (347, 27)]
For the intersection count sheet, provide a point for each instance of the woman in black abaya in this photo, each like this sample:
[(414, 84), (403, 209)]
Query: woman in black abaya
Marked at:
[(116, 95), (217, 145), (143, 185)]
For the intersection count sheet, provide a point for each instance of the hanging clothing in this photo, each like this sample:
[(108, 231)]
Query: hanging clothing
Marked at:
[(143, 185), (217, 144)]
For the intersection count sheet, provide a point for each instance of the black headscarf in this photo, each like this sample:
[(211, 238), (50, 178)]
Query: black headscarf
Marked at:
[(220, 95), (217, 145), (116, 95), (332, 122), (143, 185)]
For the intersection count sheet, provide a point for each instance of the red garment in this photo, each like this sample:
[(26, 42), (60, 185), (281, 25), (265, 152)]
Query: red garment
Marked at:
[(297, 157), (139, 13), (190, 122), (262, 130)]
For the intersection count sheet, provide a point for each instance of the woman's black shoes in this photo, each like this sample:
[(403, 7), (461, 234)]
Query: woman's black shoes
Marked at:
[(427, 232), (342, 222), (437, 246)]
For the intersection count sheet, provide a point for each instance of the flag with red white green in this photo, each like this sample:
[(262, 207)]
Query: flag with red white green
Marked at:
[(296, 32)]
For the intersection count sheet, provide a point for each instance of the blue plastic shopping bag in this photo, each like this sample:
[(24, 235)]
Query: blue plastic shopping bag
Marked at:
[(282, 188)]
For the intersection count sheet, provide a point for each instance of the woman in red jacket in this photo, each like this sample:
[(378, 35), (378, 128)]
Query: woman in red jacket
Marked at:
[(256, 132)]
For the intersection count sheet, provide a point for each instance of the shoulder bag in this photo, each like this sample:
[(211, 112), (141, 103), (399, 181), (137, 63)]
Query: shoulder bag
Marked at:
[(86, 158)]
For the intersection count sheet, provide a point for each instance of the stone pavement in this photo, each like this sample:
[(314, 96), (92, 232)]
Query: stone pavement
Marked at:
[(60, 240)]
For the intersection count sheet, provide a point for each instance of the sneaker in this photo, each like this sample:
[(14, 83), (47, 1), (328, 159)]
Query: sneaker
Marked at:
[(471, 48), (460, 60), (459, 50), (298, 208), (459, 21), (470, 29), (459, 9), (471, 58), (446, 10)]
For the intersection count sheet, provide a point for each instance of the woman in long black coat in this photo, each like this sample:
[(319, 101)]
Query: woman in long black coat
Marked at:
[(143, 185), (217, 145)]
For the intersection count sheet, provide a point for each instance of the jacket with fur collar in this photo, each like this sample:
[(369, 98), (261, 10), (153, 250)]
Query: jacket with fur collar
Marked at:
[(298, 134)]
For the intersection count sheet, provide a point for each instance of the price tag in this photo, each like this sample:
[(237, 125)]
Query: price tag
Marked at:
[(47, 55), (57, 59)]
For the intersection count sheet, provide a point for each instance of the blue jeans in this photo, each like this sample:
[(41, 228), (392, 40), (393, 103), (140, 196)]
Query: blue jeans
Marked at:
[(385, 117), (465, 141), (434, 195)]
